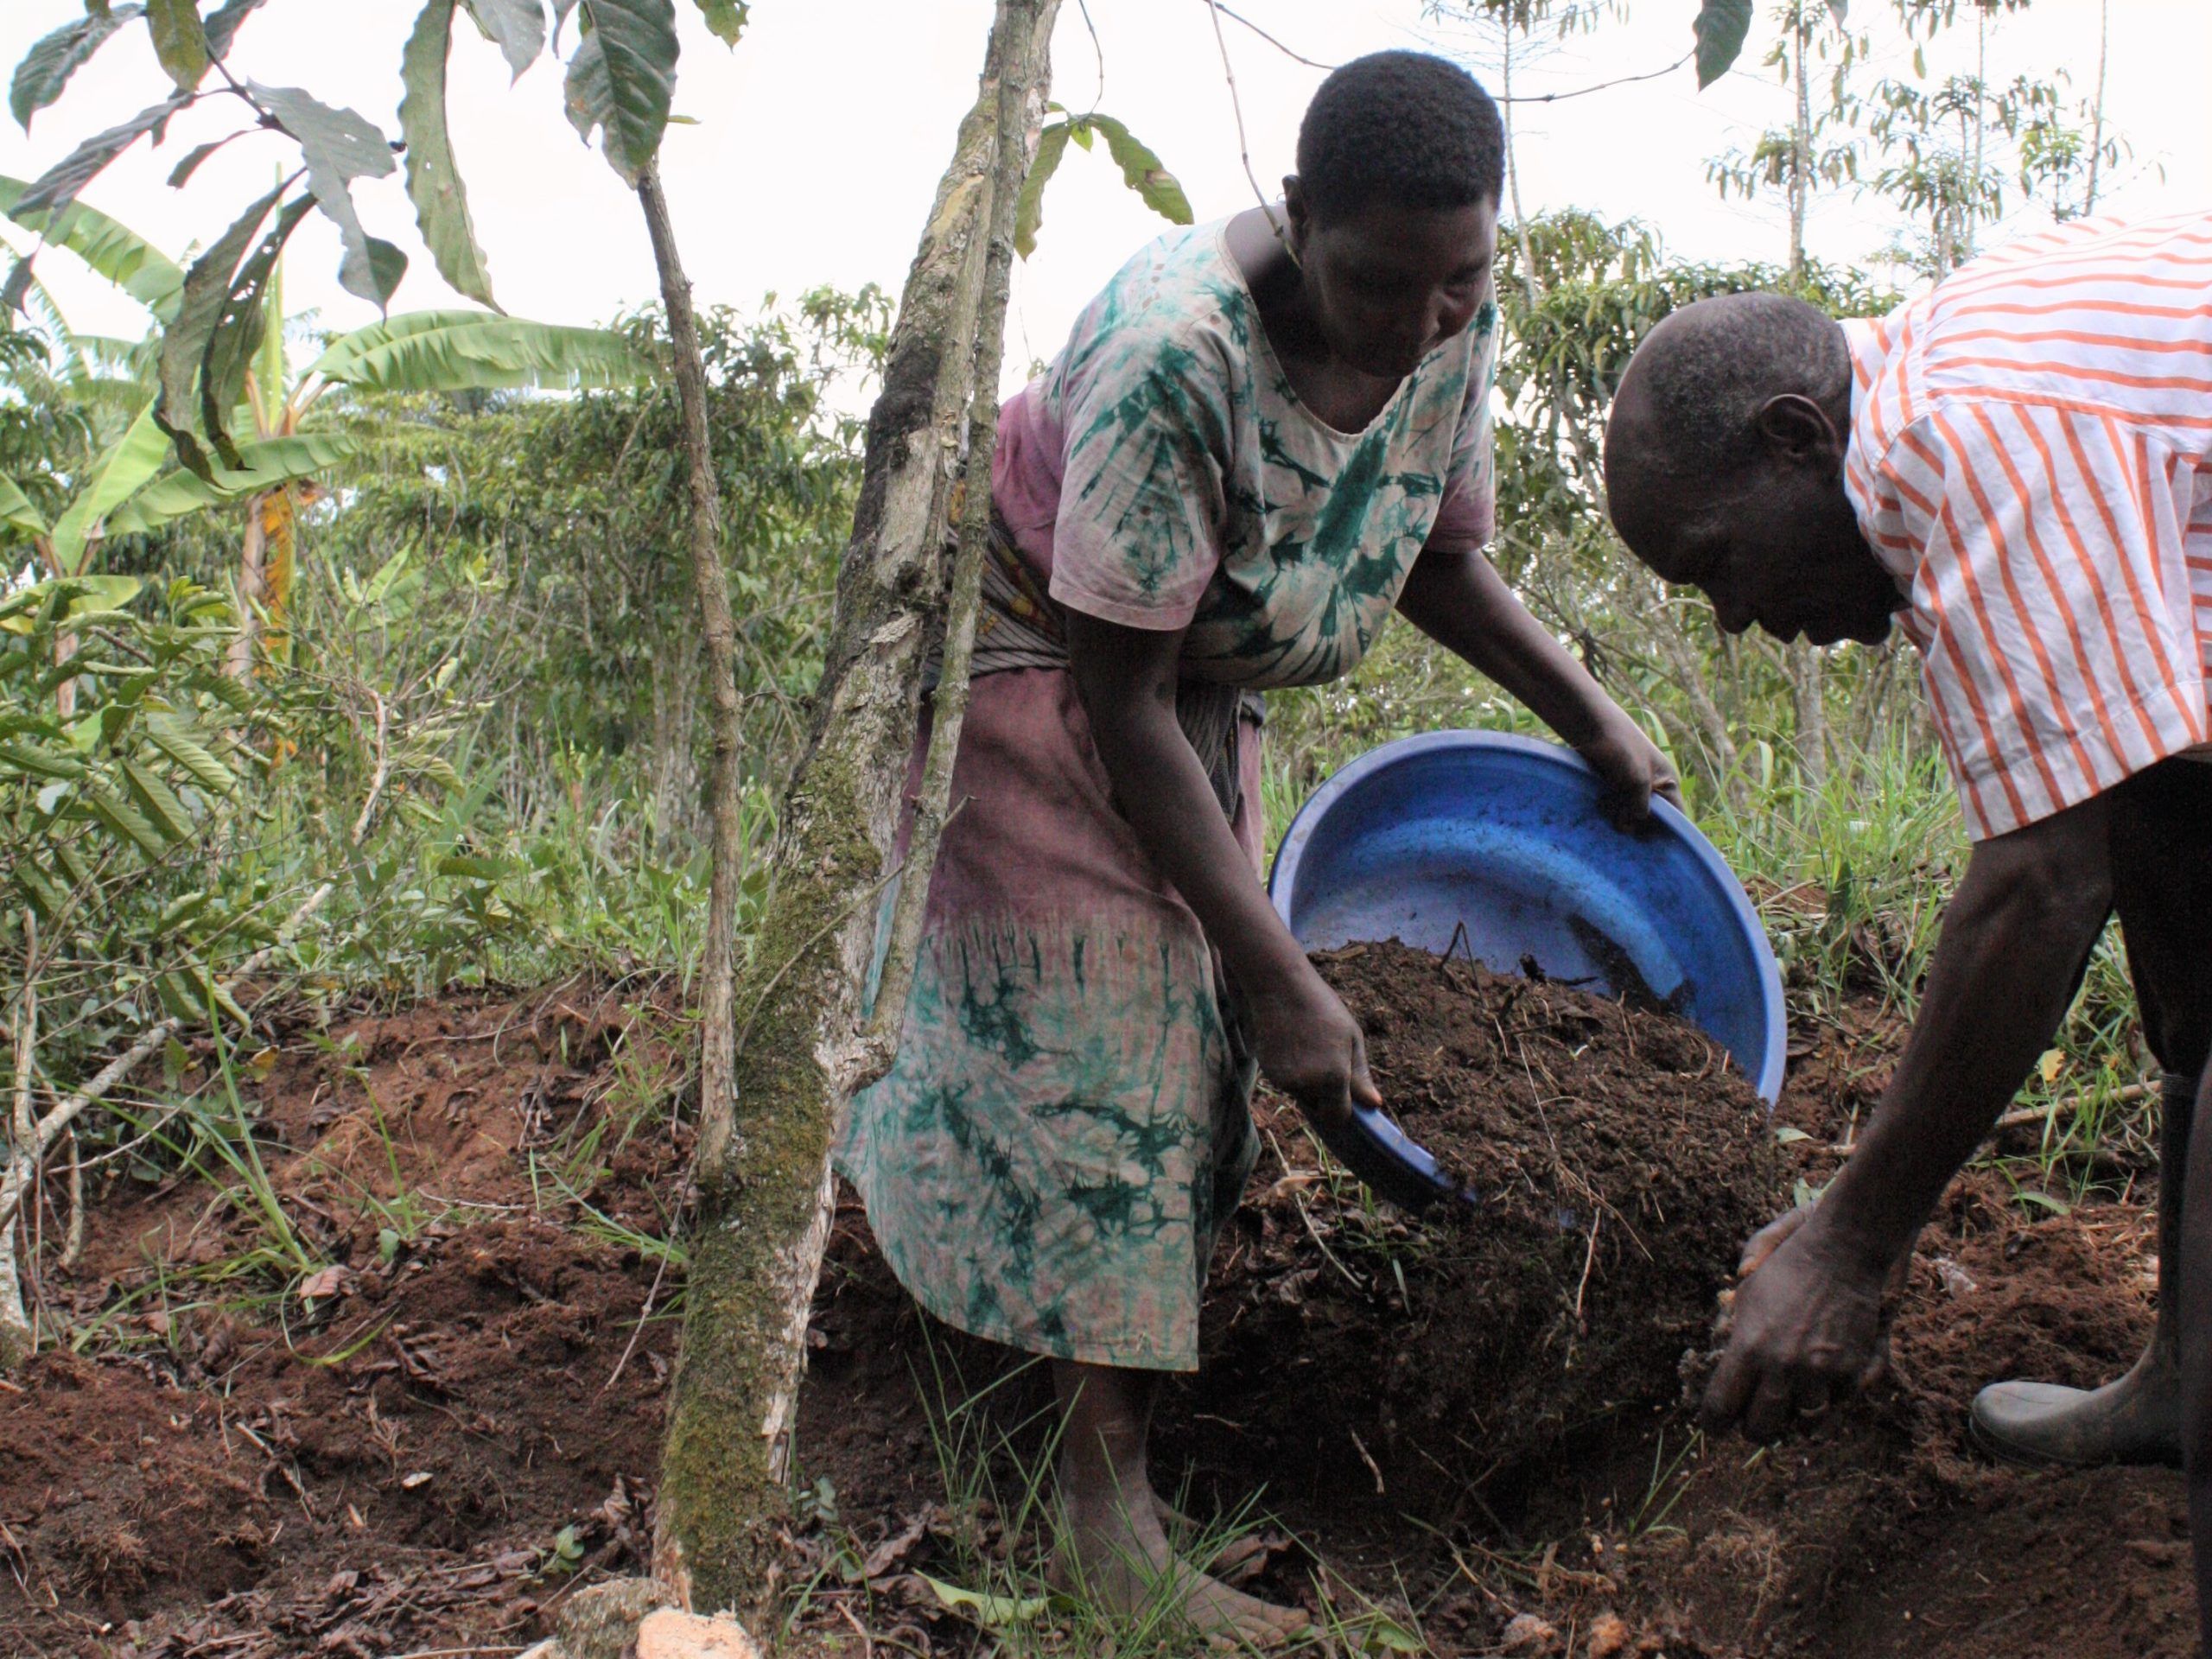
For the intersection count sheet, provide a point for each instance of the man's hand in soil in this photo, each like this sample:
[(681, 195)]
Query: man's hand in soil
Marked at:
[(1305, 1041), (1806, 1327), (2016, 939)]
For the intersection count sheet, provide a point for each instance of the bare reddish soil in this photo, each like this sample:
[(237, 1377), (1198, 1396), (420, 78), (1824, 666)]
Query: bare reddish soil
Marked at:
[(430, 1454), (389, 1465)]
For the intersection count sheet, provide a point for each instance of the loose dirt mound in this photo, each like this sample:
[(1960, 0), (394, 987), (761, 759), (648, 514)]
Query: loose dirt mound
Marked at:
[(421, 1445), (1876, 1530), (1620, 1165)]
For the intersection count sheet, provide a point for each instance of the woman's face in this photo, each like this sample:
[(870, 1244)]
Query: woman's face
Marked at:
[(1389, 284)]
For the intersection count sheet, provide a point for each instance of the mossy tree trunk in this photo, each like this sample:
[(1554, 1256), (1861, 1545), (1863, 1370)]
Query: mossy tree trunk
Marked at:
[(801, 1045)]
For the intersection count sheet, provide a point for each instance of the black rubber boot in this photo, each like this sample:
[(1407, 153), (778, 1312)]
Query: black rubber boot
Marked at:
[(2136, 1420)]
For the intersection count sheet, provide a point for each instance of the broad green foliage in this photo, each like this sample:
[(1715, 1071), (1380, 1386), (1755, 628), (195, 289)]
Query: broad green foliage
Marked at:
[(619, 86), (458, 351), (211, 302), (115, 250), (46, 68), (339, 147), (622, 80), (1720, 26), (1141, 170), (433, 178), (179, 40)]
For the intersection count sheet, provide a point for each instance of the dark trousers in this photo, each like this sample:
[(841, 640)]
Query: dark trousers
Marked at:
[(2162, 886)]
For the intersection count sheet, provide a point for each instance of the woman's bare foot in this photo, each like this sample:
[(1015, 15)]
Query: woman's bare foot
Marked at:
[(1232, 1562), (1116, 1550), (1121, 1558)]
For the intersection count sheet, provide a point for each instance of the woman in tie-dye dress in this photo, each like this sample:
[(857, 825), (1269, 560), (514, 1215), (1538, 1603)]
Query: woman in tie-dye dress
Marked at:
[(1254, 447)]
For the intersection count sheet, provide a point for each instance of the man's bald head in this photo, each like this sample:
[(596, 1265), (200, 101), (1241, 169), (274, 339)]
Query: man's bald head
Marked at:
[(1724, 467)]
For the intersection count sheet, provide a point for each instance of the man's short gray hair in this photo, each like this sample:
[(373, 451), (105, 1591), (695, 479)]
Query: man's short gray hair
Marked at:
[(1714, 365)]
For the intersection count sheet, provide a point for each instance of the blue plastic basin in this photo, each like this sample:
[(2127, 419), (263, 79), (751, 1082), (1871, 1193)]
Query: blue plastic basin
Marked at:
[(1499, 840)]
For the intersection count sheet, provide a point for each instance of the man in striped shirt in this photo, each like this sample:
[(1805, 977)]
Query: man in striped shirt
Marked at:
[(2017, 470)]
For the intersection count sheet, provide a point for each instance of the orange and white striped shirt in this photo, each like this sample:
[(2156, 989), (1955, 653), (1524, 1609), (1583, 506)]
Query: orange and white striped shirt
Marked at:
[(2030, 456)]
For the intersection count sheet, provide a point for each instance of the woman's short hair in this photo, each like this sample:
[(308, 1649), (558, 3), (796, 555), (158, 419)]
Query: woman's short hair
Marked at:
[(1404, 129)]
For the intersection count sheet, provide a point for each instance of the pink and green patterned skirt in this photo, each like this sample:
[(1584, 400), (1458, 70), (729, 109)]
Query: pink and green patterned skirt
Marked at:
[(1067, 1127)]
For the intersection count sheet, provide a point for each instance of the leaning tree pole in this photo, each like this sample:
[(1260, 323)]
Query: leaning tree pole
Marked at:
[(802, 1044)]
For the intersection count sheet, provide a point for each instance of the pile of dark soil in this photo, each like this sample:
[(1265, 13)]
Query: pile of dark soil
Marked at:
[(1620, 1162)]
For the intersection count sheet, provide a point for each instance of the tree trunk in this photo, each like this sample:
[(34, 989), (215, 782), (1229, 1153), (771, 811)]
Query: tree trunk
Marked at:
[(675, 775), (718, 630), (763, 1176), (238, 657), (1800, 144)]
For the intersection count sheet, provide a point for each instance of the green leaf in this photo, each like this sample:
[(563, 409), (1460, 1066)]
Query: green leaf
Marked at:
[(1721, 27), (991, 1612), (518, 27), (179, 910), (458, 351), (726, 19), (16, 511), (1378, 1633), (112, 249), (121, 816), (201, 304), (35, 761), (2044, 1201), (623, 79), (118, 474), (238, 332), (433, 180), (222, 26), (46, 68), (476, 869), (47, 899), (167, 814), (339, 147), (179, 40), (56, 188), (269, 463), (176, 739), (380, 585), (1143, 172), (1029, 206)]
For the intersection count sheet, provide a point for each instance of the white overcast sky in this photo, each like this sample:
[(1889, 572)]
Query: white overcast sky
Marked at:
[(819, 140)]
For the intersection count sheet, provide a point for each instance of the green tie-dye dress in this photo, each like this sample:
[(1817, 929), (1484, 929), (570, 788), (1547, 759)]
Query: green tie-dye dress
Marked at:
[(1066, 1125)]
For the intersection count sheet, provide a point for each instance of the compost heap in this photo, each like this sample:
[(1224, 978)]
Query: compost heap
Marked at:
[(1621, 1162)]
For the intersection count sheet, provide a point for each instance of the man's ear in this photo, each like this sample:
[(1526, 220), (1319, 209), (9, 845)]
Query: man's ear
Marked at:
[(1294, 208), (1794, 425)]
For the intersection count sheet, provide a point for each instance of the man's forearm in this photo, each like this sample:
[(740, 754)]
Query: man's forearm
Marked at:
[(2014, 942)]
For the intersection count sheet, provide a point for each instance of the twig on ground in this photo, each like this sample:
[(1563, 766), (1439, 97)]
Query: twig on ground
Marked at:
[(2039, 1116), (1360, 1446), (644, 1313)]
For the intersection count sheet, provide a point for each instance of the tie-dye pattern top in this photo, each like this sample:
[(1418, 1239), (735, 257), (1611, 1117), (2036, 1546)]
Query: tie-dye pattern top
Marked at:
[(1163, 473)]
